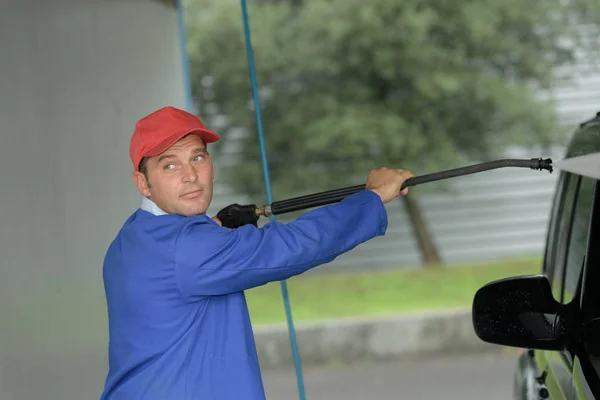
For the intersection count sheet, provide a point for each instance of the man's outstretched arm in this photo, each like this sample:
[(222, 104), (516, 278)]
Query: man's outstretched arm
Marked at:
[(212, 260)]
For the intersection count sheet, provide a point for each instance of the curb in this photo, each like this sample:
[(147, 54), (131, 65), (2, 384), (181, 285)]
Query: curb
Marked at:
[(354, 339)]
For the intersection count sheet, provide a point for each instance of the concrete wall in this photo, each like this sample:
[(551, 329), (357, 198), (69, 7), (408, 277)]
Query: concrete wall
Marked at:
[(74, 77)]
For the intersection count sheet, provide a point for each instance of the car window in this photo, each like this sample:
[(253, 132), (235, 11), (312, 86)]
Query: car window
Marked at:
[(548, 266), (562, 235), (577, 243)]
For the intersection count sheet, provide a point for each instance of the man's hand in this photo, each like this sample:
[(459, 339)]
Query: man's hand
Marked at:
[(387, 183), (235, 215)]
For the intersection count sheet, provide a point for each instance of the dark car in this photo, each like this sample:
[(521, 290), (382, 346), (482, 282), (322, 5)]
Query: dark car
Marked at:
[(555, 316)]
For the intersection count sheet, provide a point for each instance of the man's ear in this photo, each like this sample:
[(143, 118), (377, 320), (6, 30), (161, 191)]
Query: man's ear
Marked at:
[(141, 183)]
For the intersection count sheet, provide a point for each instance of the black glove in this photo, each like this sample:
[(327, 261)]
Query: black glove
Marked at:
[(235, 215)]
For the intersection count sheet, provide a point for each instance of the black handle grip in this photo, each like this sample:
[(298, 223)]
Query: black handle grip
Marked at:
[(235, 215)]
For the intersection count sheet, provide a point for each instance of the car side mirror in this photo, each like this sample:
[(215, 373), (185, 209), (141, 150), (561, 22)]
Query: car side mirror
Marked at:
[(520, 312)]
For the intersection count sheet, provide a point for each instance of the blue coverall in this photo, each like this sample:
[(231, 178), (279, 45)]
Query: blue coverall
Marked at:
[(179, 327)]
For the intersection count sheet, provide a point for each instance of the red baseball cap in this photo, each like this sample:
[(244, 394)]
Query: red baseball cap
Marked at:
[(158, 131)]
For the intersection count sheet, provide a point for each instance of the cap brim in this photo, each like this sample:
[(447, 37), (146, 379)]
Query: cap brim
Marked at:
[(206, 135)]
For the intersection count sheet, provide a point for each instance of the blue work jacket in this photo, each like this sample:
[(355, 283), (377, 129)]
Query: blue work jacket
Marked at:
[(179, 327)]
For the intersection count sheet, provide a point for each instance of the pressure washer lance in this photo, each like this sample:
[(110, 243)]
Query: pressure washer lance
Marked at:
[(235, 215)]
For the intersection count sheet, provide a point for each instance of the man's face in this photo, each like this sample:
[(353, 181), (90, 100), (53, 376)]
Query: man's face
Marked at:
[(180, 180)]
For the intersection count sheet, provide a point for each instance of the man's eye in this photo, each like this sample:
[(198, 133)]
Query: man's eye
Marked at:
[(199, 158), (168, 167)]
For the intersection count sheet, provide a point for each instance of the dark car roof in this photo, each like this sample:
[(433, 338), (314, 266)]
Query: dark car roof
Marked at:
[(582, 156), (586, 139)]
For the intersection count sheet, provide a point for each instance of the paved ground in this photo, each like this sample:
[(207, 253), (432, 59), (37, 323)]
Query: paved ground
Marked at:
[(466, 377)]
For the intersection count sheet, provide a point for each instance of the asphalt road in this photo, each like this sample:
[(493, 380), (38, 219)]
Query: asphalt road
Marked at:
[(466, 377)]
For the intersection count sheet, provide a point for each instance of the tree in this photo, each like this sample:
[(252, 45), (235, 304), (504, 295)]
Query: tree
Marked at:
[(351, 85)]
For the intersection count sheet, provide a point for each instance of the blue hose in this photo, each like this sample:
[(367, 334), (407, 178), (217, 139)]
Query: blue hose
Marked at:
[(185, 65), (265, 169)]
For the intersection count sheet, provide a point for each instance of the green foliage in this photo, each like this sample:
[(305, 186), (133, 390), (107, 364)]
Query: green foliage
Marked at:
[(351, 85)]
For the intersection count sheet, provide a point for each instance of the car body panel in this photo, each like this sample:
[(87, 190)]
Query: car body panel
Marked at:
[(582, 388)]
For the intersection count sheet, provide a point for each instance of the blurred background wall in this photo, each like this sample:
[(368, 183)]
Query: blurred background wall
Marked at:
[(75, 76)]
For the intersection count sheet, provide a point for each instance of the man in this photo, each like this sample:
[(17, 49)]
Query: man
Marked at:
[(175, 278)]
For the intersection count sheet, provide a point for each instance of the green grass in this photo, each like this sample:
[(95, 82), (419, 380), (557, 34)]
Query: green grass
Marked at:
[(317, 297)]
